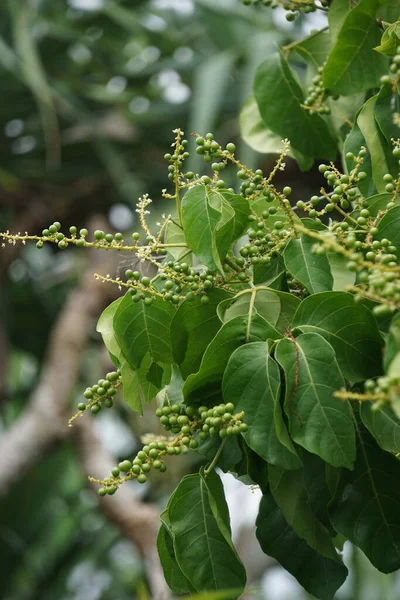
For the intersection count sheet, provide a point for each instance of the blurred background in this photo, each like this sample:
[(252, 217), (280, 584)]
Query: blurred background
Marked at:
[(91, 91)]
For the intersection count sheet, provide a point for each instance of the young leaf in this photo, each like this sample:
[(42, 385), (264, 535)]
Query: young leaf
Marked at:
[(208, 221), (252, 382), (172, 573), (390, 40), (205, 385), (353, 65), (319, 422), (137, 389), (350, 328), (318, 574), (141, 329), (206, 559), (279, 98), (383, 425), (174, 234), (290, 493), (312, 270), (366, 507), (341, 275), (192, 329)]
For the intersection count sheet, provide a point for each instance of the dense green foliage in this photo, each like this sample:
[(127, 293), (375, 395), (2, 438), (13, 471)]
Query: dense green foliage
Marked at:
[(269, 333)]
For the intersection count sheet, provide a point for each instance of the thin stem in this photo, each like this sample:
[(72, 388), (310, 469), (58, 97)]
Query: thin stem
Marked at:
[(215, 459)]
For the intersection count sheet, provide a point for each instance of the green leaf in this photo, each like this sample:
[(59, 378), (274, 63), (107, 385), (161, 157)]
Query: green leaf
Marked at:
[(172, 573), (381, 155), (279, 96), (353, 65), (208, 221), (387, 106), (231, 453), (252, 382), (276, 307), (315, 473), (218, 505), (337, 15), (257, 135), (342, 277), (318, 574), (366, 507), (192, 329), (312, 270), (390, 40), (290, 493), (350, 328), (141, 329), (270, 273), (389, 227), (205, 385), (201, 549), (242, 210), (319, 422), (105, 326), (174, 235), (353, 143), (392, 342), (383, 425), (136, 387), (313, 49)]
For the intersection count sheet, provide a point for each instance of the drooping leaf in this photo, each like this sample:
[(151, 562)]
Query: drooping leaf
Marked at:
[(141, 329), (174, 234), (172, 573), (350, 328), (353, 65), (201, 549), (279, 97), (383, 425), (231, 453), (208, 222), (192, 329), (315, 473), (205, 385), (341, 275), (290, 493), (136, 387), (252, 382), (318, 574), (366, 507), (319, 422), (312, 270)]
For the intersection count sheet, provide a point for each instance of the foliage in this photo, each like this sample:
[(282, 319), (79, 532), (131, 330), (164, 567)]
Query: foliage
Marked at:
[(270, 332)]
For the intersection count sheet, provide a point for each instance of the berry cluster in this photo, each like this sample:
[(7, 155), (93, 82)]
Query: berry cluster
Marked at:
[(314, 103), (99, 395), (394, 77), (295, 7), (188, 423)]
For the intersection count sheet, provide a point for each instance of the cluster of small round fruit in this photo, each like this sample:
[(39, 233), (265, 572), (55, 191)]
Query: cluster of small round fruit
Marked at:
[(314, 102), (99, 395), (188, 423), (212, 422), (79, 239), (294, 6)]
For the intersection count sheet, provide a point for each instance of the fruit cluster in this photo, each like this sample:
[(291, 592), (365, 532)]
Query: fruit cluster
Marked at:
[(99, 395), (295, 7), (191, 426)]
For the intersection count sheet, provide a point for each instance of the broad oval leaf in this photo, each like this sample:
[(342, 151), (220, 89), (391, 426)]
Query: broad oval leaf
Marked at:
[(312, 270), (290, 493), (192, 329), (279, 97), (252, 382), (172, 573), (366, 507), (383, 425), (205, 385), (105, 326), (318, 574), (141, 329), (350, 328), (204, 555), (319, 422), (353, 65), (208, 222)]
